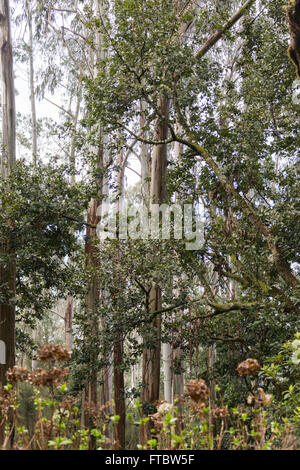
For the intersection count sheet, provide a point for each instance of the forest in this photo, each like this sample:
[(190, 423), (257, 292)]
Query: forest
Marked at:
[(149, 225)]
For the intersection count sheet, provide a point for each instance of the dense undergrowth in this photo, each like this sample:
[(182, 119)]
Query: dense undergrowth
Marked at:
[(38, 413)]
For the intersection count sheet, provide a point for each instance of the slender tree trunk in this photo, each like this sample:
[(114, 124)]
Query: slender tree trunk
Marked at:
[(211, 357), (133, 376), (93, 291), (159, 161), (34, 135), (91, 303), (35, 335), (72, 161), (167, 349), (167, 357), (107, 371), (8, 154), (118, 375), (179, 390), (92, 260), (145, 158), (72, 158), (178, 379), (107, 374), (151, 356), (119, 396), (32, 89), (92, 298), (68, 323)]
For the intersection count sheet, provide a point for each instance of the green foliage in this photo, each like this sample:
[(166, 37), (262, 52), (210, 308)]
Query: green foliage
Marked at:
[(234, 120), (48, 216)]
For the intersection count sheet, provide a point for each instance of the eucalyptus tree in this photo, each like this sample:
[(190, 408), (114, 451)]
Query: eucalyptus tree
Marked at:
[(8, 157), (32, 84), (147, 64)]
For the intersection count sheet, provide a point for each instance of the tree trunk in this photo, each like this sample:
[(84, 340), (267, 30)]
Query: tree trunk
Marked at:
[(72, 158), (32, 90), (167, 353), (107, 371), (106, 391), (35, 337), (7, 270), (145, 158), (92, 261), (293, 11), (119, 383), (72, 162), (68, 323), (92, 297), (93, 291), (151, 356), (119, 394), (179, 390)]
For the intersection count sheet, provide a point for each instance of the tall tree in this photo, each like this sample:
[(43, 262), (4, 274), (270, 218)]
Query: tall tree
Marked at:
[(151, 356), (32, 84), (8, 157)]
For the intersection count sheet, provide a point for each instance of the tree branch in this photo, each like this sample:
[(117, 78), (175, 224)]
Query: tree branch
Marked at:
[(218, 35)]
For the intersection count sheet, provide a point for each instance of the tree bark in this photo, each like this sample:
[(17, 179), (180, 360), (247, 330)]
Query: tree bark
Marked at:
[(93, 290), (119, 394), (8, 154), (118, 373), (167, 353), (32, 89), (179, 390), (68, 323), (151, 356), (293, 12), (145, 158), (72, 157), (92, 296), (92, 260)]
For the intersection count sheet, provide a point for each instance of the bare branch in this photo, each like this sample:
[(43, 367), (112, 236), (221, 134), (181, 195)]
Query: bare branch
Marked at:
[(218, 35), (59, 107)]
